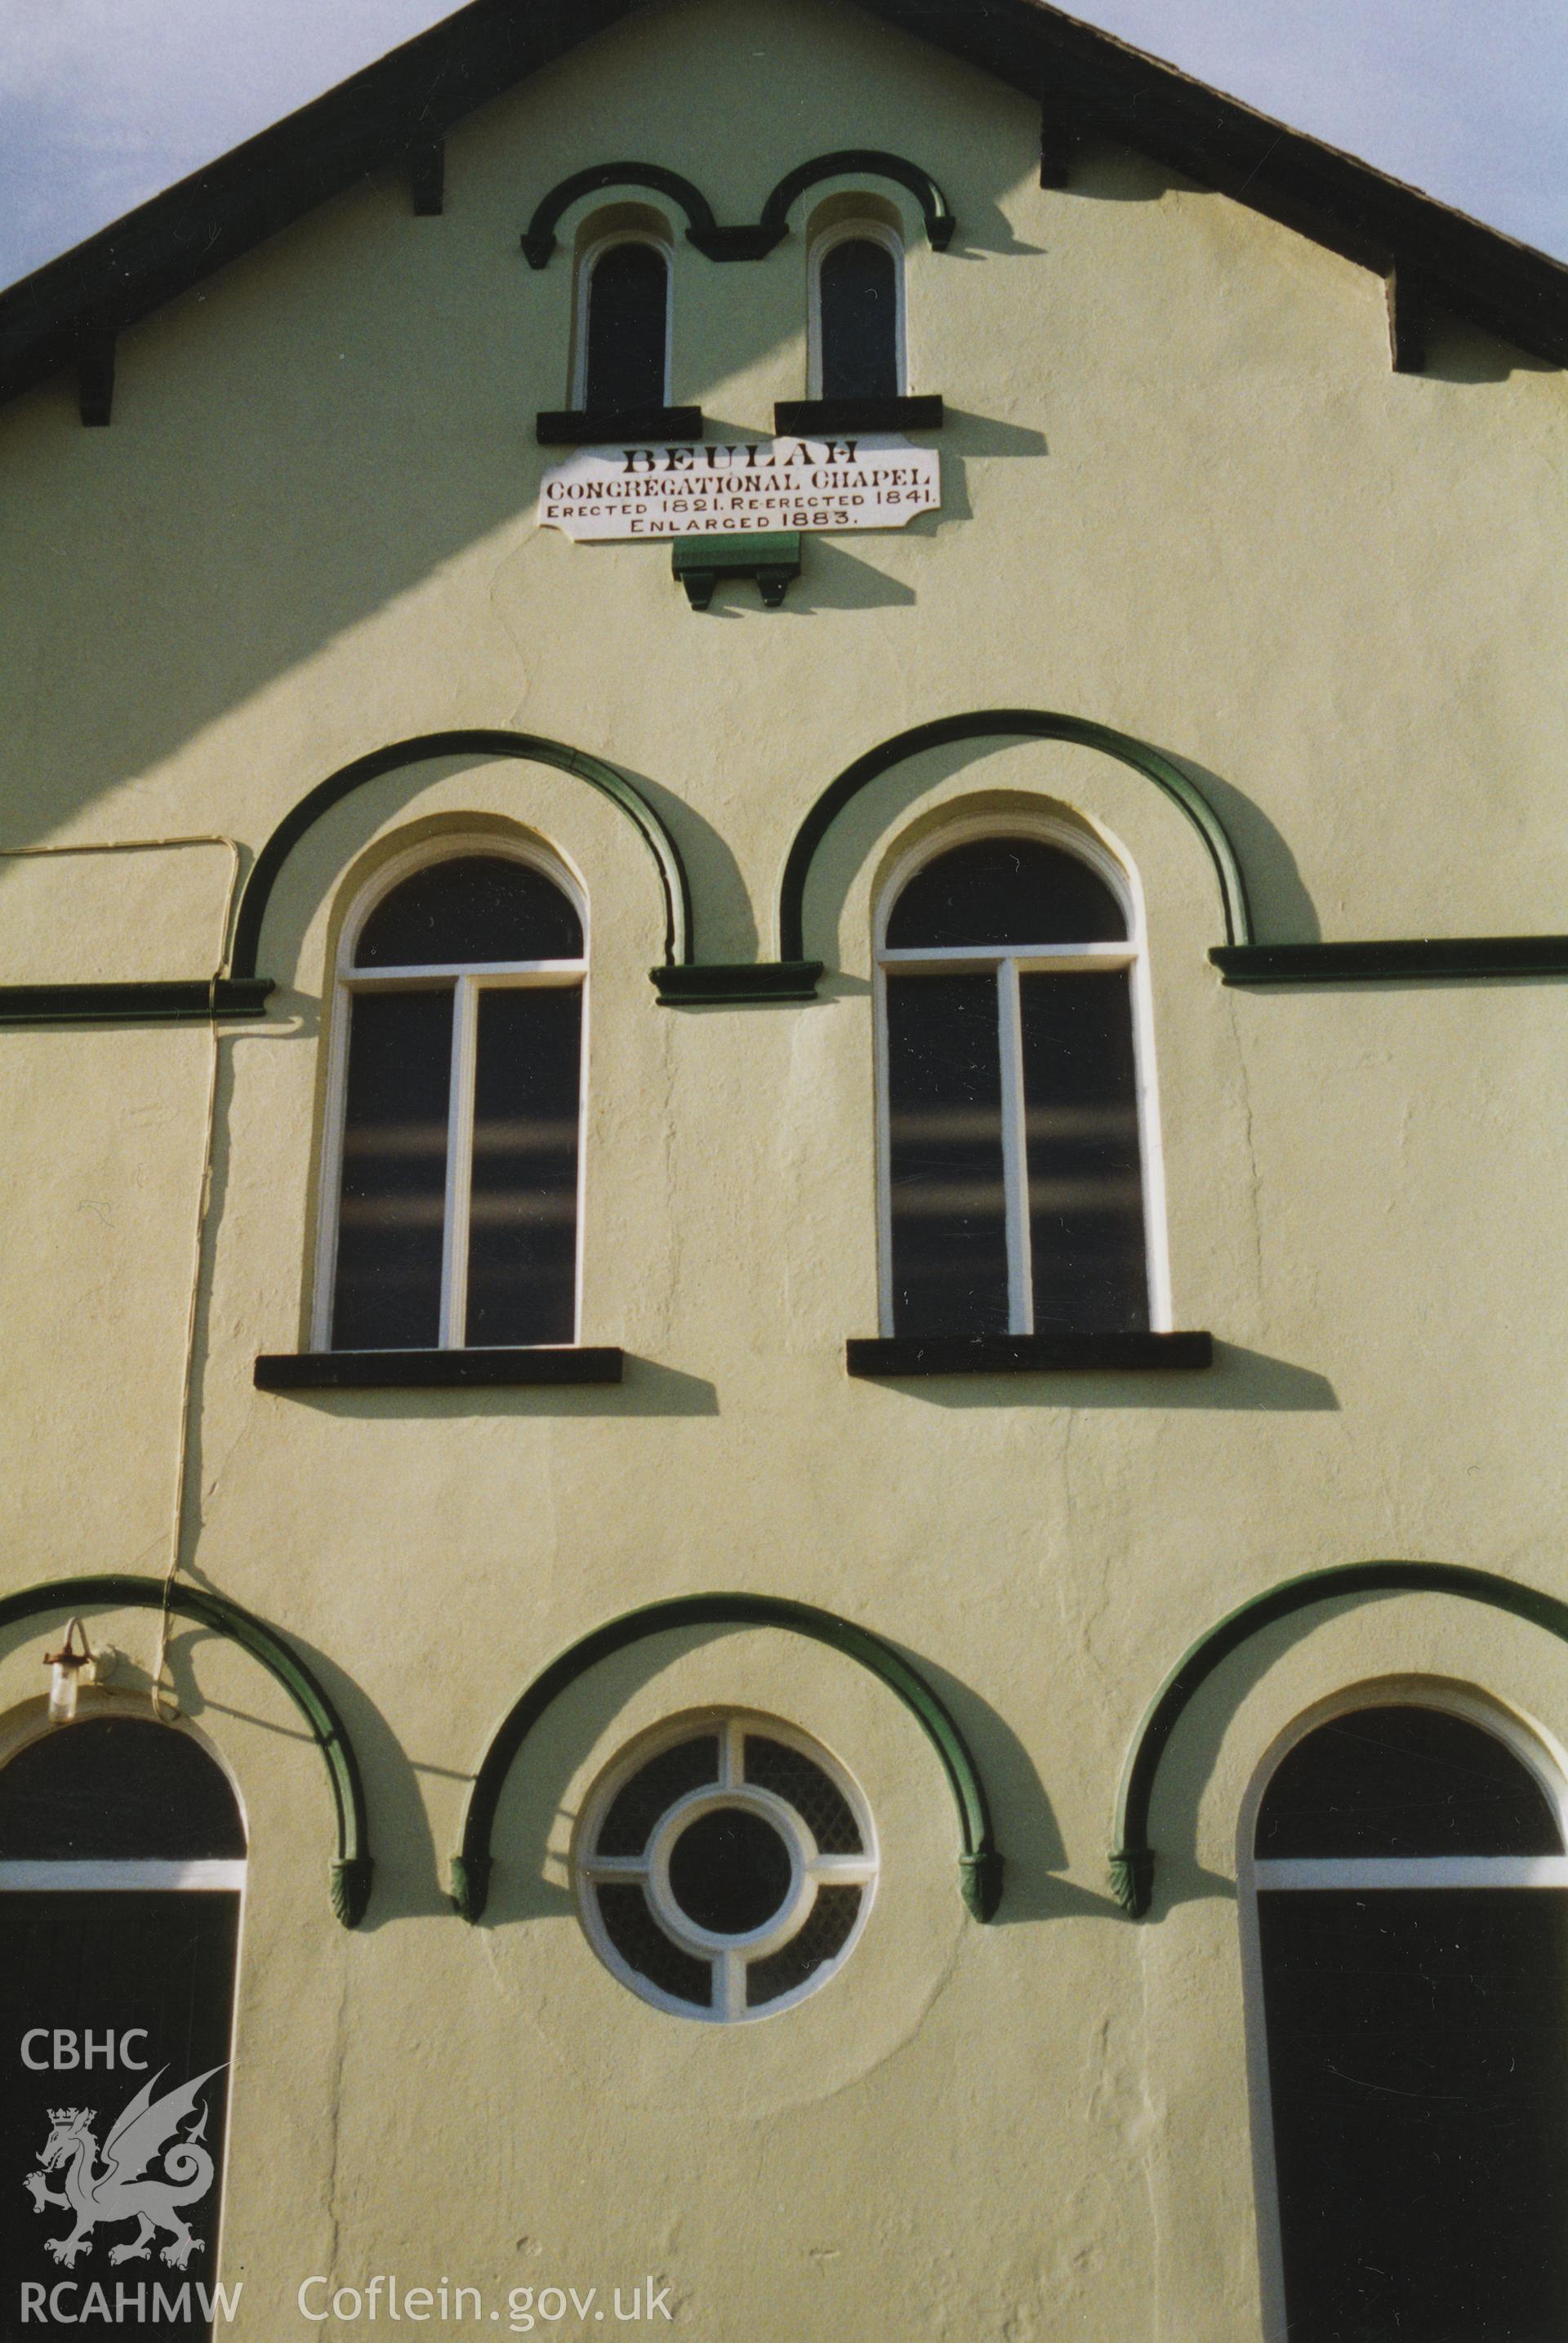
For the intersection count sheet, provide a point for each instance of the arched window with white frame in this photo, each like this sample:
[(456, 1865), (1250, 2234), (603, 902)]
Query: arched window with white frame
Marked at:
[(1018, 1186), (856, 340), (1405, 1903), (855, 310), (454, 1155), (624, 285)]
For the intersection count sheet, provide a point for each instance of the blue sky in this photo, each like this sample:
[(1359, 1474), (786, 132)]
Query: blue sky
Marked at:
[(104, 102)]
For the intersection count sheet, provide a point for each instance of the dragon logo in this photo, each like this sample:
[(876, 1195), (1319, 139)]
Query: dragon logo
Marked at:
[(117, 2191)]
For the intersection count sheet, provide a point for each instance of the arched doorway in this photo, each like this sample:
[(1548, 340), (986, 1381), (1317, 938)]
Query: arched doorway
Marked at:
[(122, 1872), (1408, 1918)]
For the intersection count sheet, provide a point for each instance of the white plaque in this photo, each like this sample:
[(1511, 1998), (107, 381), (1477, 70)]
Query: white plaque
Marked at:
[(733, 488)]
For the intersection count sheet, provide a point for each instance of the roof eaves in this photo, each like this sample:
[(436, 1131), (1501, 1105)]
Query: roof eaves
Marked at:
[(1099, 83), (370, 122)]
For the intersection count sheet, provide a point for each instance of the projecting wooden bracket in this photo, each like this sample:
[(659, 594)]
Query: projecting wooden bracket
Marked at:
[(95, 376), (427, 178), (1407, 319)]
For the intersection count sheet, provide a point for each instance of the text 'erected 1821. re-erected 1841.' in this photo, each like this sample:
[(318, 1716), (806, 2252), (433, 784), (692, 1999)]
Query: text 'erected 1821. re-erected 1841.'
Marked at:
[(725, 488)]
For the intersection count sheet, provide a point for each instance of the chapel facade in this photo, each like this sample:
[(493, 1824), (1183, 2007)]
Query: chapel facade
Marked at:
[(782, 999)]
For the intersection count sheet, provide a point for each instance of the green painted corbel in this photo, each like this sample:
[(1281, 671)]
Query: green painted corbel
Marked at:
[(1132, 1861), (352, 1869), (979, 1881), (979, 1861), (470, 1886)]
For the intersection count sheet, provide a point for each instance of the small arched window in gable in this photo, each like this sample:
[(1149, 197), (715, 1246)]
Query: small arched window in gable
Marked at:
[(1013, 1160), (1412, 1931), (857, 312), (122, 1872), (623, 322), (460, 1020)]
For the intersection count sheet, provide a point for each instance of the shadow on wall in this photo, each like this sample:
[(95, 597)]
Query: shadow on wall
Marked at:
[(1194, 1753), (1283, 909), (1240, 1382), (405, 1854), (529, 1881), (390, 459), (1022, 1813), (650, 1389)]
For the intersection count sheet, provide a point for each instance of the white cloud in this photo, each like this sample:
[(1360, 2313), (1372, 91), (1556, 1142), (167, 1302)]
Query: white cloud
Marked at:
[(104, 102)]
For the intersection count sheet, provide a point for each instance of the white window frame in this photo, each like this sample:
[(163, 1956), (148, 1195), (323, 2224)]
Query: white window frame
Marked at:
[(466, 983), (587, 261), (1009, 963), (649, 1870), (1306, 1872), (870, 231)]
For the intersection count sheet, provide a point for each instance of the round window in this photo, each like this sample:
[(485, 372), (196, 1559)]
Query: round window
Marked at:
[(725, 1868)]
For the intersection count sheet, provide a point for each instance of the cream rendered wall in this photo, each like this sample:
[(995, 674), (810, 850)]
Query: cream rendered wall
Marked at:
[(1184, 495)]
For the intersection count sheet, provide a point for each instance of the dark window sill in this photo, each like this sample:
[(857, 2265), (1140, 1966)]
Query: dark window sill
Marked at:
[(291, 1371), (810, 418), (1025, 1354), (184, 1001), (611, 426)]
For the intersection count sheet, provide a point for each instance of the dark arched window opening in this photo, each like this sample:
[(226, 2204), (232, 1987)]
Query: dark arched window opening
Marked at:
[(122, 1867), (858, 319), (1013, 1166), (457, 1222), (627, 330), (1412, 1933)]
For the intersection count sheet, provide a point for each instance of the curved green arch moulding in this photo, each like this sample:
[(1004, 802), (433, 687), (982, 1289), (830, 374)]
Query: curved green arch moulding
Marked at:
[(980, 1864), (539, 236), (875, 162), (739, 243), (352, 1866), (1133, 1860), (1020, 724), (528, 746)]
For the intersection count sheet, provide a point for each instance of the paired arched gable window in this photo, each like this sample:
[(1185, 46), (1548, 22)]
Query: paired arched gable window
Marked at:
[(460, 1002), (856, 340), (1411, 1928), (122, 1868), (1012, 1159), (623, 322)]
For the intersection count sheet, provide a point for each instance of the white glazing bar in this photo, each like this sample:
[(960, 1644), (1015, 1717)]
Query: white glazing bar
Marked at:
[(729, 1984), (1413, 1870), (731, 1756), (1014, 1154), (579, 1253), (842, 1870), (956, 958), (884, 1160), (49, 1877), (459, 1165), (519, 971)]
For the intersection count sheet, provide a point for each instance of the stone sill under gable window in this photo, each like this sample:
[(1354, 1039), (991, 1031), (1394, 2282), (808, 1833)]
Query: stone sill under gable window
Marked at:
[(613, 426)]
